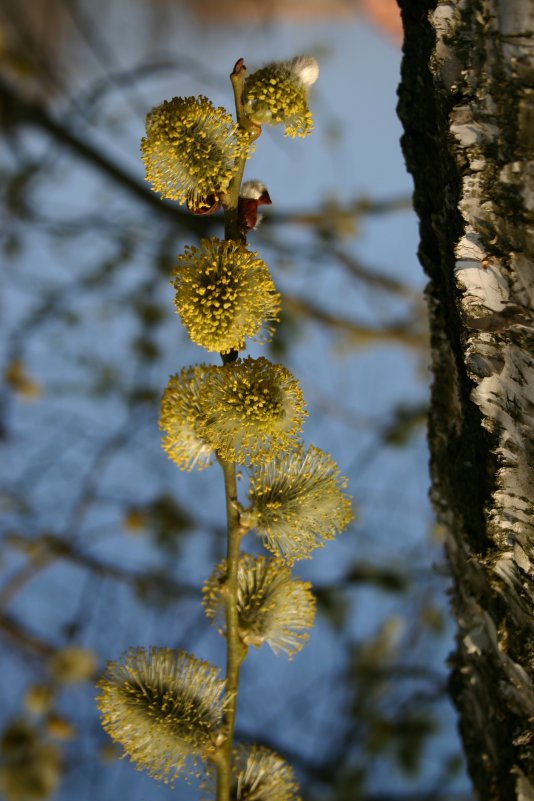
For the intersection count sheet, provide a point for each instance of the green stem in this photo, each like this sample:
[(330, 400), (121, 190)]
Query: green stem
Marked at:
[(232, 226), (235, 649)]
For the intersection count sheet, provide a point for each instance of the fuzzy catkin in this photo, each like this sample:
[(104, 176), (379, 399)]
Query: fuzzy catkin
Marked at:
[(191, 149), (224, 294), (164, 707), (272, 607), (298, 502), (278, 94), (251, 408)]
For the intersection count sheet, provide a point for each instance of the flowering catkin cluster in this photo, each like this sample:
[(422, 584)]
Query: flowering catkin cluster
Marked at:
[(167, 709), (240, 412)]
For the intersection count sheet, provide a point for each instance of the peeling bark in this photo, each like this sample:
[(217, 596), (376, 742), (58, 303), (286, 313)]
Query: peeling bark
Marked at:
[(466, 103)]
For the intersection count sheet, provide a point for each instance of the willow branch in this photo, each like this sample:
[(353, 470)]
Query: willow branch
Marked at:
[(38, 563), (235, 649), (232, 227), (10, 627)]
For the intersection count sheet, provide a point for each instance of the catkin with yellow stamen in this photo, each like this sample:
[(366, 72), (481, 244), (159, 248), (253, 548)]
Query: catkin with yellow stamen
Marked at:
[(278, 93), (271, 606), (251, 408), (261, 775), (258, 774), (224, 294), (180, 419), (164, 707), (191, 150), (298, 503)]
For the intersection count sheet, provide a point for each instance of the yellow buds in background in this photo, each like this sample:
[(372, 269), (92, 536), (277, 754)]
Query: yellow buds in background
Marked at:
[(30, 768), (39, 699), (73, 664)]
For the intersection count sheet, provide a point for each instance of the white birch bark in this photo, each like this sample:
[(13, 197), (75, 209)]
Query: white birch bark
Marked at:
[(466, 102)]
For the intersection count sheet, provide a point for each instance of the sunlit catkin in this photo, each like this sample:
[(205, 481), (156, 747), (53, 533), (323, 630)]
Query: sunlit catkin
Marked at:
[(180, 419), (224, 294), (278, 93), (297, 502), (251, 408), (190, 150), (272, 607), (261, 775), (164, 707)]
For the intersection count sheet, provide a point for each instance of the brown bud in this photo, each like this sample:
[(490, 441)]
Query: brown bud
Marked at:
[(208, 206)]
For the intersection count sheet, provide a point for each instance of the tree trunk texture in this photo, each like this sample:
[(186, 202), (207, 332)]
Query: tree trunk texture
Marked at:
[(466, 103)]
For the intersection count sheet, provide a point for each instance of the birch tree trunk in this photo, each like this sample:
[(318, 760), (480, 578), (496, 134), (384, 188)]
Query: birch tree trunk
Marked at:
[(466, 102)]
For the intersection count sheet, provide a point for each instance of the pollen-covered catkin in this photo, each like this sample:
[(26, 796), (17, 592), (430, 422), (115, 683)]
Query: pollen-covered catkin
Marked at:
[(225, 294), (164, 707), (298, 502), (272, 607), (251, 408), (262, 775), (191, 150), (278, 94), (181, 416)]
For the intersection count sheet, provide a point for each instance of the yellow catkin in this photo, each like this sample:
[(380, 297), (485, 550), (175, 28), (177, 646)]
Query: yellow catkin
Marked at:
[(224, 294), (181, 416), (251, 408), (277, 94), (258, 774), (298, 503), (164, 707), (191, 150), (272, 607), (262, 775)]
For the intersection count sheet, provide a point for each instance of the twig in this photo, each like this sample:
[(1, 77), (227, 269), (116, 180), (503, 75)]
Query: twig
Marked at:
[(235, 649)]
